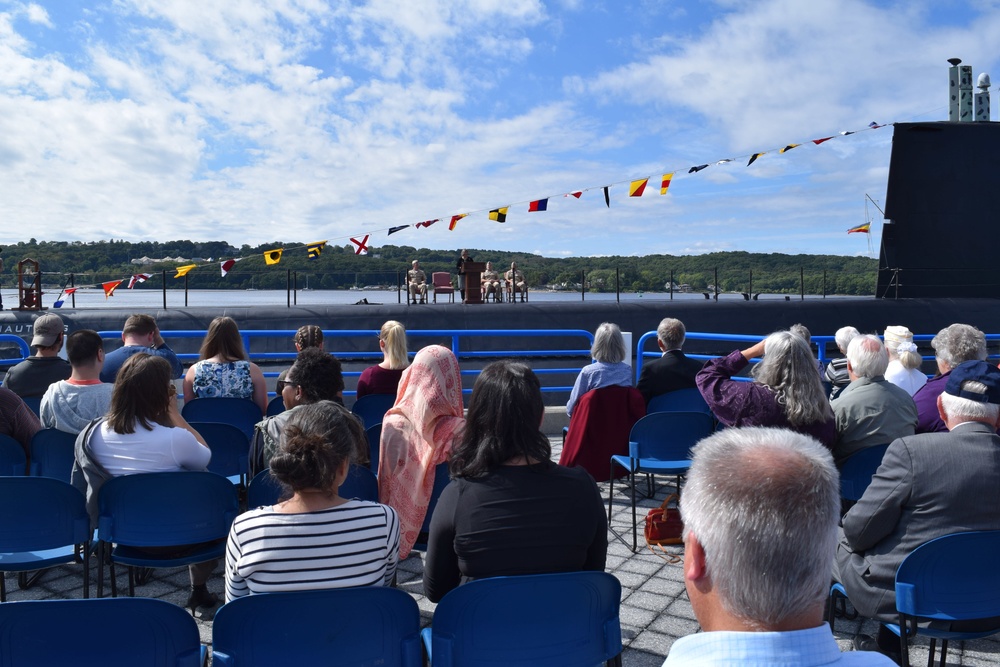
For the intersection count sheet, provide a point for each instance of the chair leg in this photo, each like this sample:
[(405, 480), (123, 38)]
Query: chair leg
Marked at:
[(131, 581), (611, 488), (635, 539), (3, 587), (944, 653), (114, 579), (86, 571)]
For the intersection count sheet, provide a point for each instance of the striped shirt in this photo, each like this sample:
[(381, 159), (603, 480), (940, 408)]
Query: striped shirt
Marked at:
[(351, 545)]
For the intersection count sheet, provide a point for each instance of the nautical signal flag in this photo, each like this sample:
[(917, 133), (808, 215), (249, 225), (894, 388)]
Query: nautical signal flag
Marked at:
[(110, 287), (577, 194), (427, 223), (454, 221), (636, 188), (314, 250), (607, 195), (788, 148), (272, 257), (695, 170), (138, 278), (362, 245), (227, 266), (393, 230), (753, 158), (862, 229), (183, 270), (819, 141), (538, 205), (499, 214), (666, 183)]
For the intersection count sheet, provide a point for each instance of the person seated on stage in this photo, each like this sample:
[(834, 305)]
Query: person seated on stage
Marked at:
[(673, 370), (491, 283), (836, 370), (514, 280), (904, 360), (786, 390), (69, 405), (32, 377), (487, 522), (928, 485), (760, 511), (315, 376), (609, 367), (460, 269), (416, 281), (953, 345), (870, 410), (224, 370), (315, 539), (384, 378), (140, 334)]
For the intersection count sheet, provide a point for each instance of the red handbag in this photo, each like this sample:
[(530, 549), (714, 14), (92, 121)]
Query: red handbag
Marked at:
[(664, 524)]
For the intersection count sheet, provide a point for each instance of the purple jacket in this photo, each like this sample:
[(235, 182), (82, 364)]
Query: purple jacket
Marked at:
[(928, 417), (750, 403)]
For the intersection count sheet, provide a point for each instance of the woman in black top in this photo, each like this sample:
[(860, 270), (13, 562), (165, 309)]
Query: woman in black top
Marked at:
[(460, 268), (509, 509)]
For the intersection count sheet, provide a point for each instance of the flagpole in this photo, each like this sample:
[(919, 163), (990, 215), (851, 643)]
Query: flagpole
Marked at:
[(185, 290), (72, 283), (163, 282)]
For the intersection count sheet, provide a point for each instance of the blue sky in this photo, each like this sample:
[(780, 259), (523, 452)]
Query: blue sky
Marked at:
[(301, 120)]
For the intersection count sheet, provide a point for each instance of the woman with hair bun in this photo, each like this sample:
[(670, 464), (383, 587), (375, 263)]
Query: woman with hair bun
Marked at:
[(315, 539), (384, 378), (904, 360), (509, 509)]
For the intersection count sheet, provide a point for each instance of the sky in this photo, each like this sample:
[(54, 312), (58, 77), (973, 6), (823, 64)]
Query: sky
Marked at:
[(303, 120)]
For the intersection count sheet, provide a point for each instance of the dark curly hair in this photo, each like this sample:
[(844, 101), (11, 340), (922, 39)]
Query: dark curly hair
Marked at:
[(505, 414), (316, 441), (317, 374)]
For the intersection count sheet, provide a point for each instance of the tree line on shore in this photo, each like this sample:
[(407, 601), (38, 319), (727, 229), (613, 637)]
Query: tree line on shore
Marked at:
[(338, 267)]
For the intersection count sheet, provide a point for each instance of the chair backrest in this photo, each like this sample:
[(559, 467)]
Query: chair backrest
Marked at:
[(954, 577), (360, 483), (374, 435), (39, 513), (240, 412), (544, 619), (263, 490), (441, 479), (33, 402), (681, 400), (441, 279), (12, 458), (108, 632), (166, 508), (230, 449), (371, 408), (52, 454), (275, 406), (350, 627), (668, 436), (857, 470)]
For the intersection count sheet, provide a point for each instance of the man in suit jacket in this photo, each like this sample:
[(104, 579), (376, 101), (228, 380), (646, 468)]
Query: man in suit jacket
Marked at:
[(928, 485), (673, 370)]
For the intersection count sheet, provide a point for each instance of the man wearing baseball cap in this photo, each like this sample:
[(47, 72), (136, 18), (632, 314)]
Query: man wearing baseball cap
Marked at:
[(33, 376), (929, 485)]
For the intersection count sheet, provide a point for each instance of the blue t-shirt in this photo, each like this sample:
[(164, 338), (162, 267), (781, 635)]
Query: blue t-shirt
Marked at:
[(114, 360)]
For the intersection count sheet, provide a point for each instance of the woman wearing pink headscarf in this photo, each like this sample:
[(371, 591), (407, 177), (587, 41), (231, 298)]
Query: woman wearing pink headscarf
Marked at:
[(418, 433)]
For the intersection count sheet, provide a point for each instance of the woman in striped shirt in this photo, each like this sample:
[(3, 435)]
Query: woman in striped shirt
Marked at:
[(315, 539)]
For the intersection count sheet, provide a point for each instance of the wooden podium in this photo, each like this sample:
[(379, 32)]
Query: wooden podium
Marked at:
[(474, 282)]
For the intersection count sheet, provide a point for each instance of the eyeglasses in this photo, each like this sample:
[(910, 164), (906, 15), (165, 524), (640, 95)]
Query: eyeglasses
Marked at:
[(280, 385)]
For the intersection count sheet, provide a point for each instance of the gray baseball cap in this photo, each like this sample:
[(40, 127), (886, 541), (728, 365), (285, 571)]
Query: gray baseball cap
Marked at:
[(46, 329)]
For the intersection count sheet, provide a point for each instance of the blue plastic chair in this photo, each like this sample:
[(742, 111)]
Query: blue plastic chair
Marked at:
[(348, 627), (35, 403), (556, 620), (52, 454), (240, 412), (441, 479), (230, 450), (263, 490), (950, 578), (99, 633), (45, 523), (12, 458), (659, 444), (275, 406), (360, 483), (682, 400), (164, 509), (374, 435), (372, 407), (857, 471)]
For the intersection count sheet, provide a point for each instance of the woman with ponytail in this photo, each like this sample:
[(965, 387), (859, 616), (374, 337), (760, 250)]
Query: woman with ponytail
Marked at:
[(314, 539), (904, 360)]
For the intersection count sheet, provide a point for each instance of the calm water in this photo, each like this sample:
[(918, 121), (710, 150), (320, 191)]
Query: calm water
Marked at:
[(132, 299)]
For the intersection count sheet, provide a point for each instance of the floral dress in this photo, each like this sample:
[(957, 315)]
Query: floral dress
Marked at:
[(222, 380)]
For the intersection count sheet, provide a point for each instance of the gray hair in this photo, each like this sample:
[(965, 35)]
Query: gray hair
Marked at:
[(609, 346), (964, 409), (844, 336), (789, 370), (671, 333), (868, 356), (958, 343), (802, 332), (764, 505)]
